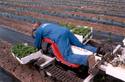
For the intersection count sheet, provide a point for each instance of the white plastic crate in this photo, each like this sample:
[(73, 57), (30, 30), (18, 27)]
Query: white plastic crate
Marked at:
[(35, 55), (86, 38)]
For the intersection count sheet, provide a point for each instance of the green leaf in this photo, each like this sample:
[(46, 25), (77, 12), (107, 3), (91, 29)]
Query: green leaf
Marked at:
[(21, 50)]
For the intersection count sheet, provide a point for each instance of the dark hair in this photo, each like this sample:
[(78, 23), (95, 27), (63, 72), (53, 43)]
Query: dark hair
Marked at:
[(39, 23)]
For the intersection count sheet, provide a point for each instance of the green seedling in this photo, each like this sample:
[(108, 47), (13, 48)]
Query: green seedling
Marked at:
[(21, 50)]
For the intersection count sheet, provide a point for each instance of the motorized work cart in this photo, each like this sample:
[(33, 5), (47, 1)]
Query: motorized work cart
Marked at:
[(53, 65)]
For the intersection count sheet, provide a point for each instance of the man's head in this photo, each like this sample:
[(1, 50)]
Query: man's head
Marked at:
[(34, 28), (36, 25)]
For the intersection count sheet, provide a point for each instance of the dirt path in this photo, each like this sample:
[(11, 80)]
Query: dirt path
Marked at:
[(9, 35), (20, 26), (26, 27)]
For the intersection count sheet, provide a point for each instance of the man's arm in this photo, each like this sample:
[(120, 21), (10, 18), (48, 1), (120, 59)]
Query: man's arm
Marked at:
[(38, 38)]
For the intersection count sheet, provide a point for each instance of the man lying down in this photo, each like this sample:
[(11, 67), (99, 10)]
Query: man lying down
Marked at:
[(64, 40)]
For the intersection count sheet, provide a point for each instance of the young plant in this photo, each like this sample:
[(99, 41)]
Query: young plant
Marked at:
[(81, 31), (68, 25), (21, 50)]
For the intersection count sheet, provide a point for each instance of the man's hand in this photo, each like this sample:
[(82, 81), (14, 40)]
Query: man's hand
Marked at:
[(33, 33)]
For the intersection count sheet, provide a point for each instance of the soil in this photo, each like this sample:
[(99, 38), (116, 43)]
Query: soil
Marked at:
[(25, 73), (90, 15), (26, 27), (28, 73), (19, 26)]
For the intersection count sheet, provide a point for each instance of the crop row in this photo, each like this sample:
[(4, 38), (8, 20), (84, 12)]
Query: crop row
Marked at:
[(65, 10), (23, 18), (77, 17), (118, 9)]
